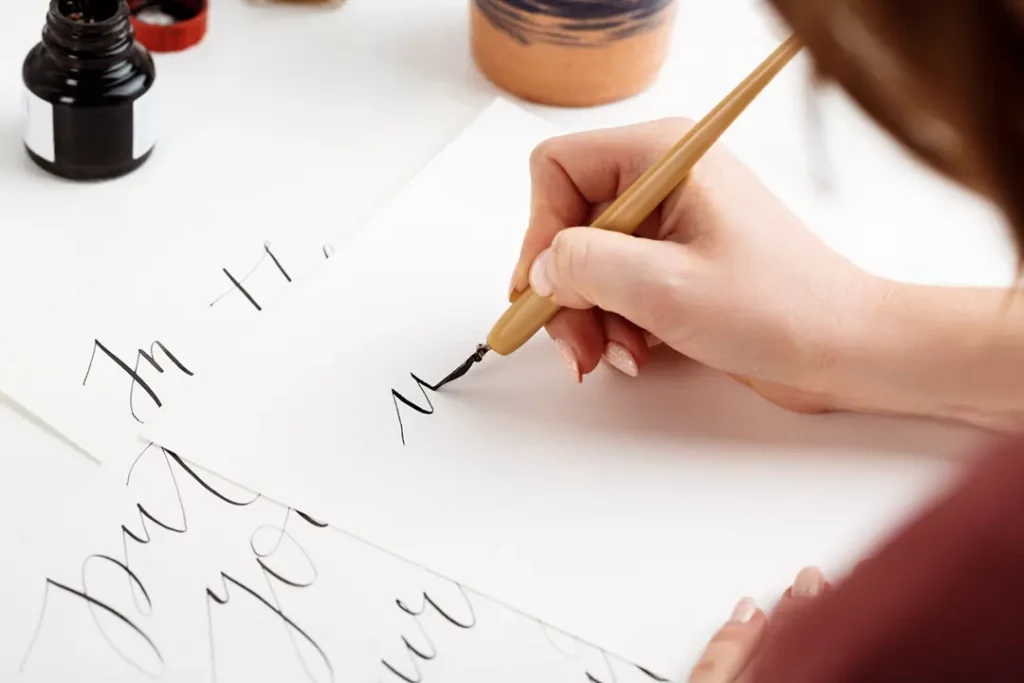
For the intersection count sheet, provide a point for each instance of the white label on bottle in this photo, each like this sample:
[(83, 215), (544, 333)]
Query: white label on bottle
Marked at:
[(145, 122), (37, 122)]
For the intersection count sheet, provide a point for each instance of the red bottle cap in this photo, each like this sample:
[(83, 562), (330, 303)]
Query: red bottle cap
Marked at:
[(168, 25)]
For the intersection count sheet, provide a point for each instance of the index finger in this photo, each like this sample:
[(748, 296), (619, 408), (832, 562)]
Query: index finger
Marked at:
[(570, 174)]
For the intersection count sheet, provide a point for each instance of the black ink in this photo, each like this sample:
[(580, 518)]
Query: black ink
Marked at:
[(429, 410), (260, 557), (202, 482), (328, 251), (607, 665), (593, 23), (651, 674), (414, 652), (310, 520), (134, 372), (478, 355), (237, 284), (291, 625), (242, 289), (95, 128), (269, 573), (143, 536), (604, 655), (280, 268), (427, 600), (96, 603)]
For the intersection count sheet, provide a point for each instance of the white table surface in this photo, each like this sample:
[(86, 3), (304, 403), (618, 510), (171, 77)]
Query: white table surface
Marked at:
[(291, 124)]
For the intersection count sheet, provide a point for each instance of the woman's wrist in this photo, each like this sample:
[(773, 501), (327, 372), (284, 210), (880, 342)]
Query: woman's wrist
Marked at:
[(945, 352)]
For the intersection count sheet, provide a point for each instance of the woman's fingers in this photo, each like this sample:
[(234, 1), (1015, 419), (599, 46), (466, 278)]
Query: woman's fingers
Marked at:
[(727, 656), (732, 647), (570, 174), (588, 337), (580, 338), (625, 348), (807, 587)]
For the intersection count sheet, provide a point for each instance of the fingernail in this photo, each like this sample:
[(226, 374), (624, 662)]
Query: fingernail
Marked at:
[(539, 280), (744, 611), (619, 357), (809, 583), (569, 356), (511, 286), (650, 339)]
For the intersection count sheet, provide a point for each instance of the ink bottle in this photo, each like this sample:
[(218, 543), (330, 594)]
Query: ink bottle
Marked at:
[(88, 105)]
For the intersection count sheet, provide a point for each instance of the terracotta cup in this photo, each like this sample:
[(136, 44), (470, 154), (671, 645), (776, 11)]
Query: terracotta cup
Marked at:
[(571, 52)]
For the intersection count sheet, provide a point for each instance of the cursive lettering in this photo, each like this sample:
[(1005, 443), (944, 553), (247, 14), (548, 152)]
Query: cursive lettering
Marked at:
[(414, 652), (133, 372)]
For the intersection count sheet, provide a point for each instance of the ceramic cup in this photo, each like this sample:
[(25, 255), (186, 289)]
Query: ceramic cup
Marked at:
[(571, 52)]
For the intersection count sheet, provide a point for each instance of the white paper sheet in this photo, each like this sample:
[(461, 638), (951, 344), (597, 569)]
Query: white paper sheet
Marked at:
[(95, 368), (287, 125), (630, 512), (301, 601)]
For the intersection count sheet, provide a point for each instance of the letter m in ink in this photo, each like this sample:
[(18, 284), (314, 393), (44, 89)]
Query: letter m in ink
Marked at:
[(153, 363)]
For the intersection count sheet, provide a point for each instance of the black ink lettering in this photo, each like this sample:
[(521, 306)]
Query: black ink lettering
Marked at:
[(604, 655), (608, 666), (651, 675), (202, 482), (133, 372), (143, 536), (310, 520), (212, 597), (478, 355), (241, 289), (261, 557), (414, 652), (237, 284), (427, 600), (429, 410), (328, 251), (94, 603), (269, 573)]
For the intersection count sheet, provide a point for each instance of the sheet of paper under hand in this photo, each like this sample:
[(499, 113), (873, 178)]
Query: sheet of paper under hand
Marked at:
[(630, 512)]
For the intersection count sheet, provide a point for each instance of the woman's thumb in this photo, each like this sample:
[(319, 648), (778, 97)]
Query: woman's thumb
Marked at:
[(631, 276)]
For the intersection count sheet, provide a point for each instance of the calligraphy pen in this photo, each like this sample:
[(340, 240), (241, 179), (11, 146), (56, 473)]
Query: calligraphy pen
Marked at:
[(530, 312)]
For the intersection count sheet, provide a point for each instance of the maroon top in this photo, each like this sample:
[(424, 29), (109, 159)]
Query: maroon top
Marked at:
[(942, 601)]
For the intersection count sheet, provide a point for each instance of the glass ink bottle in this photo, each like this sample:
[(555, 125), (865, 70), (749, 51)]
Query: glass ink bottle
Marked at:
[(88, 105)]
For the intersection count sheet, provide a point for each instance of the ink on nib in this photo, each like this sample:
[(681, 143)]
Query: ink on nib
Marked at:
[(478, 355)]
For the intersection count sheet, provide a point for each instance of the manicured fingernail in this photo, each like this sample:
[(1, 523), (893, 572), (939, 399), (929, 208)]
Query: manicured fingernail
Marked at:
[(539, 280), (650, 339), (744, 611), (809, 583), (619, 357), (569, 356)]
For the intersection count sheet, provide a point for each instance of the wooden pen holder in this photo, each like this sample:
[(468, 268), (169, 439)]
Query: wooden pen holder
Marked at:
[(571, 52)]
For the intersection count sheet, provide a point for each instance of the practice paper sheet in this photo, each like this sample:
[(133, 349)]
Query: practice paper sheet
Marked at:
[(631, 512), (152, 568), (267, 161), (158, 570)]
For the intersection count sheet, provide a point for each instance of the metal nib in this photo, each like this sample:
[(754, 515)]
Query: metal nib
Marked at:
[(478, 355)]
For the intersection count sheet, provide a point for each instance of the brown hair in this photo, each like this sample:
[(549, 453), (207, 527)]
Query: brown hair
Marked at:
[(944, 77)]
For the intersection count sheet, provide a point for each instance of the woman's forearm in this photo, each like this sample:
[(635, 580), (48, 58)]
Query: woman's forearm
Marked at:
[(946, 352)]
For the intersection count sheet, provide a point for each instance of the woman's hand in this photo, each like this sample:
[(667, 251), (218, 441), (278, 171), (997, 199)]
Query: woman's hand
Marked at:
[(728, 655), (722, 272)]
